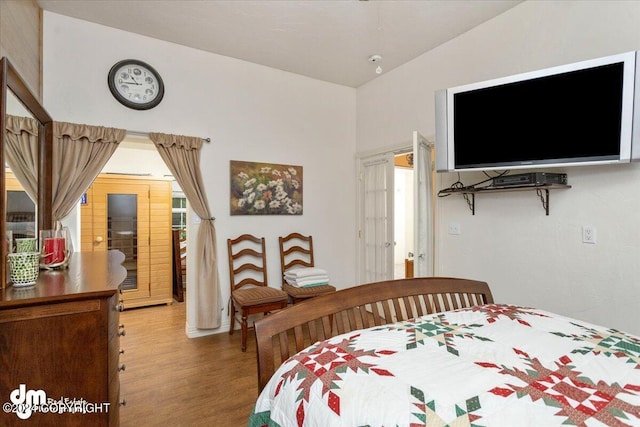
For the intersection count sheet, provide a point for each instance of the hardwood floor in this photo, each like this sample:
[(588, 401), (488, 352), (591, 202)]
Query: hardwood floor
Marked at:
[(173, 380)]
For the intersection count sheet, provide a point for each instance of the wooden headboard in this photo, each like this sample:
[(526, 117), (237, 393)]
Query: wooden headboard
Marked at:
[(282, 334)]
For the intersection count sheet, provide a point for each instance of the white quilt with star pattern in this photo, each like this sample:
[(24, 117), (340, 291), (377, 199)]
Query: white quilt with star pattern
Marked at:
[(491, 365)]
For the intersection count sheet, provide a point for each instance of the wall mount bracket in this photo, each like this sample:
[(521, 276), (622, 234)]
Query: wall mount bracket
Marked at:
[(542, 191)]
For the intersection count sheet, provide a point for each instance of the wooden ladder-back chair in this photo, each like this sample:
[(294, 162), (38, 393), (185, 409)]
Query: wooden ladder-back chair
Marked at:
[(250, 291), (283, 334), (297, 250)]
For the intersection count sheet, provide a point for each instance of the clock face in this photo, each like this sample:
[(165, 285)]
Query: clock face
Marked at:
[(136, 84)]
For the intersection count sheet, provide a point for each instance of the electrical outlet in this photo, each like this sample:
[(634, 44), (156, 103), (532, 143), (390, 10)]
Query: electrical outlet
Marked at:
[(454, 228), (588, 234)]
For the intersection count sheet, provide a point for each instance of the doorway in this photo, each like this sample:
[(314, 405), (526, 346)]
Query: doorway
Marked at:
[(403, 216), (389, 210), (133, 199)]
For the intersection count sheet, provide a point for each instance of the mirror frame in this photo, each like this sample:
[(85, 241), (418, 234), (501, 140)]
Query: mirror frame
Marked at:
[(10, 79)]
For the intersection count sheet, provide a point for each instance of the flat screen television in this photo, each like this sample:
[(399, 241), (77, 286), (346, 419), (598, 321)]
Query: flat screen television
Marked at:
[(576, 114)]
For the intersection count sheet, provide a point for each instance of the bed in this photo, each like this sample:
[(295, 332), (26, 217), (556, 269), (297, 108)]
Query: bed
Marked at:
[(437, 352)]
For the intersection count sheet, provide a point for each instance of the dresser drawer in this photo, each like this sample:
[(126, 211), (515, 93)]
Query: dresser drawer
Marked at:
[(114, 314), (114, 399)]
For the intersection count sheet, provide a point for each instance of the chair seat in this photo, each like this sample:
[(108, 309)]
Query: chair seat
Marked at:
[(248, 297), (309, 292)]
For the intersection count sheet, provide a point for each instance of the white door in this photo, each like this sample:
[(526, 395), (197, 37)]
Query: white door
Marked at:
[(376, 218), (423, 207)]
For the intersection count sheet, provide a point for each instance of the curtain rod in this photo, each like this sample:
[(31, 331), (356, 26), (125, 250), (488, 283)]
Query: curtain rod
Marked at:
[(146, 134)]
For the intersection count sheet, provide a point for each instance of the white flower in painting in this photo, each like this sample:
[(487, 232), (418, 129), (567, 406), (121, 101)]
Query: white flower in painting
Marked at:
[(241, 203), (272, 183), (250, 182), (292, 171), (295, 183), (290, 210), (247, 192), (243, 175), (274, 204), (251, 198), (275, 172), (297, 207), (261, 187), (281, 195), (265, 169), (259, 205), (287, 175)]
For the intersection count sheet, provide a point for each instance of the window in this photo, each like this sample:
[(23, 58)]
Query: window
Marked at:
[(179, 212), (21, 214)]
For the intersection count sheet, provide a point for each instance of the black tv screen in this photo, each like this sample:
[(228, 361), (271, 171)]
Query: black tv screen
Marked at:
[(581, 113), (566, 116)]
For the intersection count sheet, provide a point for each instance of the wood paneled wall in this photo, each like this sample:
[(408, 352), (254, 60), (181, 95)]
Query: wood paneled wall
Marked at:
[(160, 257), (21, 40)]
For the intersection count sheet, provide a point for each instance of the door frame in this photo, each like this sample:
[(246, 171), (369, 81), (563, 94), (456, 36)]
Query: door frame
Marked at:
[(402, 148), (424, 206), (397, 149)]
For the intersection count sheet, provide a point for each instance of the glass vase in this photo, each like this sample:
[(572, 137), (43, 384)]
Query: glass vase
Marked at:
[(54, 248)]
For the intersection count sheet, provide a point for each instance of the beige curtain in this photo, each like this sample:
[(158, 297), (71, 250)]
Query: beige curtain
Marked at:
[(79, 154), (21, 152), (182, 156)]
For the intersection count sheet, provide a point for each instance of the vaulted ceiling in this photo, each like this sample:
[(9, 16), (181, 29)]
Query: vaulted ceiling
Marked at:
[(329, 40)]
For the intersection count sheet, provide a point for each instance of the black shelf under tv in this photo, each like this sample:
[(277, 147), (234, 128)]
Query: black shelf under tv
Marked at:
[(541, 189)]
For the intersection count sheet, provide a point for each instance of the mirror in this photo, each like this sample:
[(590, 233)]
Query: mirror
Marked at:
[(13, 87), (21, 149)]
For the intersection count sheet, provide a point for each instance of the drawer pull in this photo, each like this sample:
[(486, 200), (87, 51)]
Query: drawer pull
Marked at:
[(121, 351), (122, 367), (122, 333), (121, 326), (119, 307), (123, 402)]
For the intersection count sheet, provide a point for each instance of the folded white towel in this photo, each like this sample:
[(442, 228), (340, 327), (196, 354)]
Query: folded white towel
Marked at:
[(316, 278), (307, 283), (315, 281), (304, 272)]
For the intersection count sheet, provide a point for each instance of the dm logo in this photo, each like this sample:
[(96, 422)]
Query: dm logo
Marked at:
[(26, 400)]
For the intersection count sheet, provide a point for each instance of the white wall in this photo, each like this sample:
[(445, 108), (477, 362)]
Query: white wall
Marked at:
[(250, 112), (137, 156), (525, 256)]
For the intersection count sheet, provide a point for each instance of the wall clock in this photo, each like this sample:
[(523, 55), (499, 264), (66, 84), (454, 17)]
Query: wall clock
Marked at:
[(135, 84)]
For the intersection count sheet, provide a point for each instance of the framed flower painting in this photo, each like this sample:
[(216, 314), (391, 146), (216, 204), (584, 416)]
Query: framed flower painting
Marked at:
[(265, 189)]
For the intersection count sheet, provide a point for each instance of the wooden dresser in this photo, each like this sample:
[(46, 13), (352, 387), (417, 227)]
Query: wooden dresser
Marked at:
[(63, 337)]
